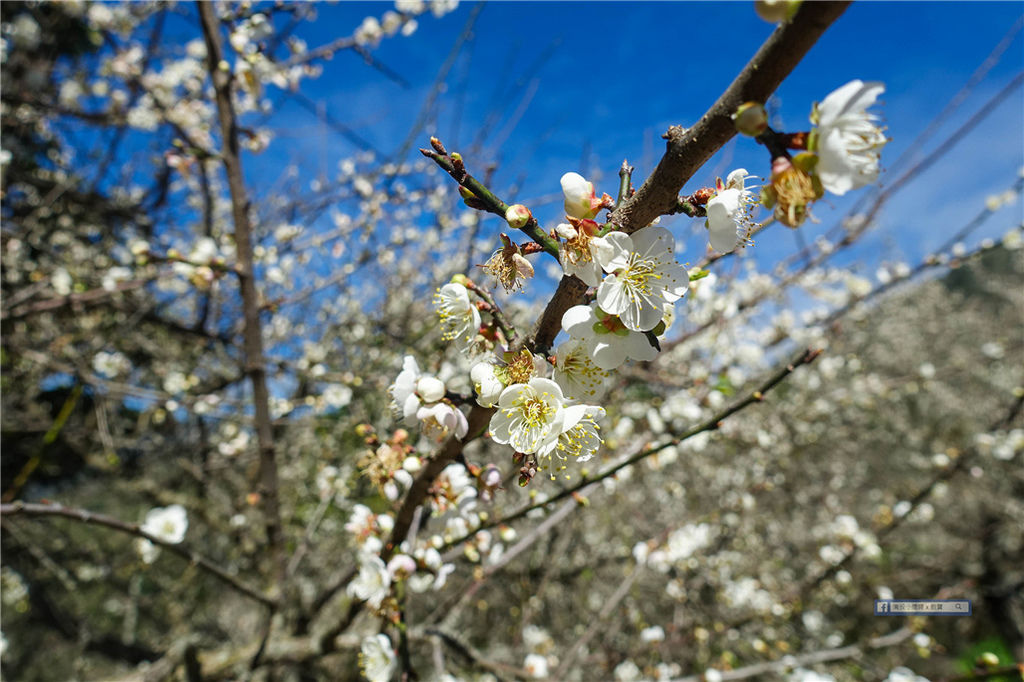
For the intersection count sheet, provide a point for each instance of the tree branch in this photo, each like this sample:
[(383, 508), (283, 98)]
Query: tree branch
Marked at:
[(253, 337), (85, 516)]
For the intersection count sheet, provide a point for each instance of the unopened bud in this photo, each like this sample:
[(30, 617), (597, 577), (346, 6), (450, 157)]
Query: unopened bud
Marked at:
[(987, 660), (774, 11), (461, 279), (517, 216), (438, 147), (751, 119)]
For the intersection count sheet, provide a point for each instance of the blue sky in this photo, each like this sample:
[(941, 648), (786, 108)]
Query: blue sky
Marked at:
[(598, 82)]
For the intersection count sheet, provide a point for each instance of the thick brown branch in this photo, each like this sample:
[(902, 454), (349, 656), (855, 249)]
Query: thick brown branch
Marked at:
[(689, 149)]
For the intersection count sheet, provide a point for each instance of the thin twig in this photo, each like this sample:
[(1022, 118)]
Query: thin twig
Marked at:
[(86, 516)]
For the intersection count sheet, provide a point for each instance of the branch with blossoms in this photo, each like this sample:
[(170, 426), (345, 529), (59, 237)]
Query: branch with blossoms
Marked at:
[(541, 404)]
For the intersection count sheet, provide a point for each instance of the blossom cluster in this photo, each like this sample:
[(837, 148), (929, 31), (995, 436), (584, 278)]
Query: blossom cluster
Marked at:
[(841, 154)]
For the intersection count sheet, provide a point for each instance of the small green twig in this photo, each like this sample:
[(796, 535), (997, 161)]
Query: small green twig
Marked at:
[(482, 197), (511, 336), (625, 182)]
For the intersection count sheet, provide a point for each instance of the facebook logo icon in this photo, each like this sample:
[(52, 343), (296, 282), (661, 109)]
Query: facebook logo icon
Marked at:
[(881, 607)]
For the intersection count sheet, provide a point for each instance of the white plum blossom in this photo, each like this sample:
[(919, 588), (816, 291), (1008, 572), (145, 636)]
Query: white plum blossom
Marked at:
[(576, 372), (110, 364), (655, 633), (728, 212), (536, 665), (579, 438), (372, 583), (902, 674), (337, 395), (460, 319), (580, 201), (405, 392), (643, 276), (377, 658), (486, 383), (578, 254), (439, 419), (165, 523), (847, 141), (417, 396), (607, 339), (401, 567), (529, 416)]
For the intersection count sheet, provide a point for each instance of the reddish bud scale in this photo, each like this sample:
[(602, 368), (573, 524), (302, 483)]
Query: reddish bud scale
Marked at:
[(794, 140), (702, 196), (530, 247)]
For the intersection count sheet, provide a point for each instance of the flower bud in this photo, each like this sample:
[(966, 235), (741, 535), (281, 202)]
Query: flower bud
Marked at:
[(461, 279), (774, 11), (580, 201), (430, 389), (517, 216), (751, 119)]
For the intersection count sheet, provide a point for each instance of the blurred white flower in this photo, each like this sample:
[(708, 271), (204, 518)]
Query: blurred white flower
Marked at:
[(729, 220), (372, 583), (536, 665), (165, 523), (848, 142), (902, 674), (377, 658)]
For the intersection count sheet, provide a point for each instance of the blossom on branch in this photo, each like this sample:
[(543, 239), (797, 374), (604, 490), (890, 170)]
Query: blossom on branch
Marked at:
[(508, 265), (729, 220), (460, 319), (579, 438), (372, 582), (607, 339), (529, 416), (413, 389), (377, 658), (486, 383), (577, 373), (166, 523), (578, 254), (643, 277), (847, 140), (580, 201)]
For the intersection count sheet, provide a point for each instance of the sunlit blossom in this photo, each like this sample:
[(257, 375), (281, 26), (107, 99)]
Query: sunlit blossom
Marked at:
[(529, 416), (460, 319), (642, 276), (847, 141)]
